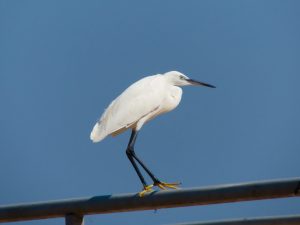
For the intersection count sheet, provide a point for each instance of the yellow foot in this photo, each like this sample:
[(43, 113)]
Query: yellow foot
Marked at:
[(147, 189), (164, 186)]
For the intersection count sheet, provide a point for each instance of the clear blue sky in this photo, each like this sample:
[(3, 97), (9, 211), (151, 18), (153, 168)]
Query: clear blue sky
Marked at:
[(62, 62)]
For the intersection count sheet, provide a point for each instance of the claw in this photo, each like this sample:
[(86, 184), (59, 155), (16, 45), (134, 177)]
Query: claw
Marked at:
[(164, 186), (147, 189)]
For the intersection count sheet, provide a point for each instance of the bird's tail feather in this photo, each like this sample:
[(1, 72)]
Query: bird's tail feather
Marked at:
[(97, 133)]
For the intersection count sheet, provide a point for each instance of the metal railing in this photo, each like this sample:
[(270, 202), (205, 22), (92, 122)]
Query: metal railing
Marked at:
[(276, 220), (74, 209)]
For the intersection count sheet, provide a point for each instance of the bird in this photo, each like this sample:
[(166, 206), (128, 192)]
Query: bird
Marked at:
[(141, 102)]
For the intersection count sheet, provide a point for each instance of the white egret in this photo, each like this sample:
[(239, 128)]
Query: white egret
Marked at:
[(139, 103)]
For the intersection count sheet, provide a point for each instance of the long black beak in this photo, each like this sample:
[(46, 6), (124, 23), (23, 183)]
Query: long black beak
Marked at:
[(194, 82)]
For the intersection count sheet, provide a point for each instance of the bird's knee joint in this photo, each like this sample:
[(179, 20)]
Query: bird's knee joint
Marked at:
[(130, 150)]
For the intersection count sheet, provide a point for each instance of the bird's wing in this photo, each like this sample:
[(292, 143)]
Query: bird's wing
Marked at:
[(137, 101)]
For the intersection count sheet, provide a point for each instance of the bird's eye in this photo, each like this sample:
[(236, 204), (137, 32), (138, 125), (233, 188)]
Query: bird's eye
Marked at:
[(181, 77)]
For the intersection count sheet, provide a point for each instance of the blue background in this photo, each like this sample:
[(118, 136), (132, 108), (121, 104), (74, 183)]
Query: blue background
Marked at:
[(62, 62)]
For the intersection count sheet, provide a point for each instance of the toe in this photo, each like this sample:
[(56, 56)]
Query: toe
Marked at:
[(147, 189), (164, 186), (161, 186)]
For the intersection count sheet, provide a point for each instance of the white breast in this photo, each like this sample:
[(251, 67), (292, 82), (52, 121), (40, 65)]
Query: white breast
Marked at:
[(172, 99)]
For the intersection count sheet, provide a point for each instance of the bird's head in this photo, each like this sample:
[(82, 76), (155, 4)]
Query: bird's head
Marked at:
[(179, 79)]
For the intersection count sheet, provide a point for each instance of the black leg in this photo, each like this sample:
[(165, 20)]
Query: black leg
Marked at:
[(132, 157), (154, 178), (136, 168), (131, 154)]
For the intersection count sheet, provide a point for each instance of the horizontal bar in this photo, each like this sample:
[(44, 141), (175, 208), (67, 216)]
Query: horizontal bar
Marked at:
[(276, 220), (155, 200)]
